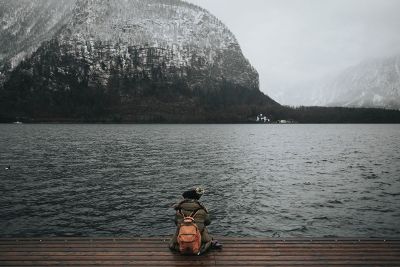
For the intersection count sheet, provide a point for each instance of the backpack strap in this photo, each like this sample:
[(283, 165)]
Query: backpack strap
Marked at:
[(191, 215), (194, 213), (178, 206)]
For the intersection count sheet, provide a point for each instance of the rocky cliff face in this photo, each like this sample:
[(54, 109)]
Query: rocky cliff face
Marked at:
[(135, 59)]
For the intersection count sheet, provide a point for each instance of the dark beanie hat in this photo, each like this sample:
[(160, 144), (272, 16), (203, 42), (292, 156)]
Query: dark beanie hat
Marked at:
[(195, 193)]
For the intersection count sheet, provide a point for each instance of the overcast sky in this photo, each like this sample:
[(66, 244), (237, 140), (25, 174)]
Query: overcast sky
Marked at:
[(295, 41)]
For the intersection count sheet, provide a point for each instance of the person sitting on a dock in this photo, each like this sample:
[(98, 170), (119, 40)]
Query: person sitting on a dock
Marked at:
[(191, 214)]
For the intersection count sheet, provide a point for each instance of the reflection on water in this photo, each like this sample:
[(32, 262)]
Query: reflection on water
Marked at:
[(261, 180)]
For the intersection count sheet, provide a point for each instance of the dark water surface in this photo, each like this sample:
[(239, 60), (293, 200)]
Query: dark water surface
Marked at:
[(261, 180)]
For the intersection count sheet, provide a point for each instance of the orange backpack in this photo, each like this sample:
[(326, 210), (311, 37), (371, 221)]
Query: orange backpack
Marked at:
[(189, 237)]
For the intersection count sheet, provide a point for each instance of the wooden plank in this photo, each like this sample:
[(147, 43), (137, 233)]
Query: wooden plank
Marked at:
[(166, 241), (210, 257), (89, 241), (225, 240), (310, 244), (110, 258), (307, 263), (236, 252), (166, 264), (296, 240), (219, 254), (313, 242), (160, 249), (216, 237), (86, 249), (88, 245), (202, 263), (163, 244), (316, 264), (102, 263)]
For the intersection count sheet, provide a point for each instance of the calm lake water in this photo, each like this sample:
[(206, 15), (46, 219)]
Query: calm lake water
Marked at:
[(260, 180)]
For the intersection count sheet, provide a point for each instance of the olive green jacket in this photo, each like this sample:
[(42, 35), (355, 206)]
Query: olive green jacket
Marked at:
[(202, 219), (187, 207)]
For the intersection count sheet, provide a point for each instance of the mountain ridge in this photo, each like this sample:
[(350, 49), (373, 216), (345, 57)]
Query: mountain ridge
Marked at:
[(91, 61), (120, 52)]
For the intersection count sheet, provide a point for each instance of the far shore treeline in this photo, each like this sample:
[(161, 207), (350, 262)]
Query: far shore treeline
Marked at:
[(163, 113)]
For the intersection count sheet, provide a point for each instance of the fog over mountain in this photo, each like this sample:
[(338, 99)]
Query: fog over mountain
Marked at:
[(373, 83), (294, 44)]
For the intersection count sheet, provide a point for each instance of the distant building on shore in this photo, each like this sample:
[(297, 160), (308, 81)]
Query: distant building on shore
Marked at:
[(263, 119)]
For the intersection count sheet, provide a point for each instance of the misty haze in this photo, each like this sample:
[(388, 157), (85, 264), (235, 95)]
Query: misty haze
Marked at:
[(302, 49)]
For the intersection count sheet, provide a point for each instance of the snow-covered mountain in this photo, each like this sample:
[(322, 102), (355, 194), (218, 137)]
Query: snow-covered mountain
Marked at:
[(25, 24), (373, 83), (55, 52)]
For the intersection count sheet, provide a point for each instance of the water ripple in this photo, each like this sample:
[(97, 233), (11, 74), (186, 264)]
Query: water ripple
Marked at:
[(261, 180)]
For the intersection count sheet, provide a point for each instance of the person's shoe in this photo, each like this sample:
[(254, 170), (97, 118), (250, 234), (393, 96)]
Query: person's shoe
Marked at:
[(216, 245), (204, 248), (172, 247)]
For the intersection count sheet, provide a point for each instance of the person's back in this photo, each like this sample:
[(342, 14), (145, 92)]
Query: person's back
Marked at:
[(189, 207)]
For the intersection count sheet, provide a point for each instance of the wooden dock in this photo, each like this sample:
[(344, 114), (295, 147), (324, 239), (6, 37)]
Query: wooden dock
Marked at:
[(236, 252)]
